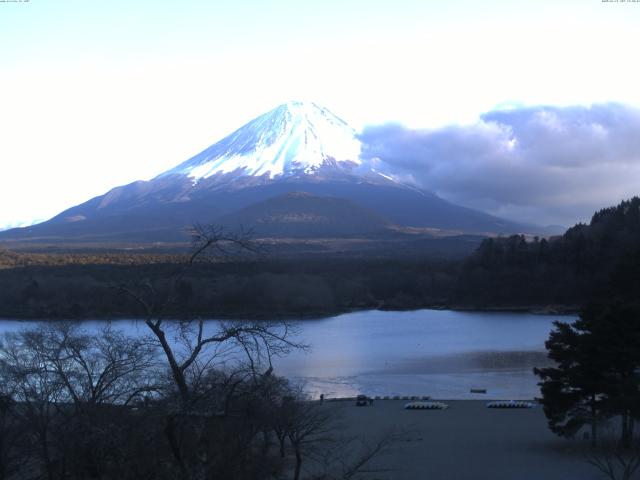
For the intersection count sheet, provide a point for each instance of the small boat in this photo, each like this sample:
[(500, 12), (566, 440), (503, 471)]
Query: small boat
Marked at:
[(510, 404), (478, 390), (426, 406)]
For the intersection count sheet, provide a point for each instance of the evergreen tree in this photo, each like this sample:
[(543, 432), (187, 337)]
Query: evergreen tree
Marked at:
[(572, 393), (598, 370)]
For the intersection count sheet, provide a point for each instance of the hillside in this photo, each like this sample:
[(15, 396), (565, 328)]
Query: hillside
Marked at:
[(565, 270), (300, 214)]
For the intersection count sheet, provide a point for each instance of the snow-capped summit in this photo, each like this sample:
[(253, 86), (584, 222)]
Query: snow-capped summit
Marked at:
[(292, 139)]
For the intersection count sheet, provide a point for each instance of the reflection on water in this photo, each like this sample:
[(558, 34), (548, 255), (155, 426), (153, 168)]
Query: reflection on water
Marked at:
[(516, 385), (440, 353), (503, 374), (469, 362)]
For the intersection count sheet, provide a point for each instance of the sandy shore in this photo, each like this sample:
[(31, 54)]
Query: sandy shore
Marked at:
[(467, 441)]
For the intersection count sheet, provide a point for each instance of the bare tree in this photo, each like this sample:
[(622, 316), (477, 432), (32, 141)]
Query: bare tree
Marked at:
[(196, 352), (73, 390), (316, 438), (9, 434), (616, 459), (37, 390), (107, 368), (309, 425), (188, 346), (352, 457)]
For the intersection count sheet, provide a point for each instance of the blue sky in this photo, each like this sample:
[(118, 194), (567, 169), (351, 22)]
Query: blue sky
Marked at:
[(98, 94)]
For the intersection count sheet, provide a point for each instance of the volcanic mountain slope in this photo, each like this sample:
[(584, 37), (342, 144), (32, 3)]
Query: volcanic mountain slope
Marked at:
[(300, 214), (295, 147)]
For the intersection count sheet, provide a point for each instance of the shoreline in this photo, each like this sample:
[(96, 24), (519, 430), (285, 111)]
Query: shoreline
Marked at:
[(423, 398), (532, 309)]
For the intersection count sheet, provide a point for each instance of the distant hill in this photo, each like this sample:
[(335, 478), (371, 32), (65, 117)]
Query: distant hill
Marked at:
[(301, 214), (569, 269)]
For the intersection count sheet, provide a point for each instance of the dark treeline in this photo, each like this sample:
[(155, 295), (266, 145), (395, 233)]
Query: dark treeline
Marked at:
[(250, 288), (503, 273), (568, 270)]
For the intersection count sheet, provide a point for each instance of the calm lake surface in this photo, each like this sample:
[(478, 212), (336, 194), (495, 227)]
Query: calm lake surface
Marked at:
[(440, 353)]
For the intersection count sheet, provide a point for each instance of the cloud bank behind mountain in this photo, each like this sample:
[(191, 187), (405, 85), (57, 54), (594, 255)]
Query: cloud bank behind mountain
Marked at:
[(543, 164)]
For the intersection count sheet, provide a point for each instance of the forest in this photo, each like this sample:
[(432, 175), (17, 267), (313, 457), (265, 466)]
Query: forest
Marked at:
[(568, 270), (559, 273)]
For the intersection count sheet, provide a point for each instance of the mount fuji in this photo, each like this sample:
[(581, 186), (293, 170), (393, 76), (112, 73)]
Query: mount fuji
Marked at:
[(294, 139), (292, 172)]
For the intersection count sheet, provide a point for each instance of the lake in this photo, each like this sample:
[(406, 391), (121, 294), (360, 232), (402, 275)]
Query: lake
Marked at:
[(441, 353)]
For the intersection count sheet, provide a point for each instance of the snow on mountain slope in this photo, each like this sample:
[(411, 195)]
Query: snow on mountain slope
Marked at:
[(294, 138)]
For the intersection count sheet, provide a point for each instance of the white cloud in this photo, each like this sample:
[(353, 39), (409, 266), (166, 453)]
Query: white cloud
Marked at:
[(538, 164)]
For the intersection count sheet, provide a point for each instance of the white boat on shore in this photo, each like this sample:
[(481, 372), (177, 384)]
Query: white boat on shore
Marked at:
[(426, 406)]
